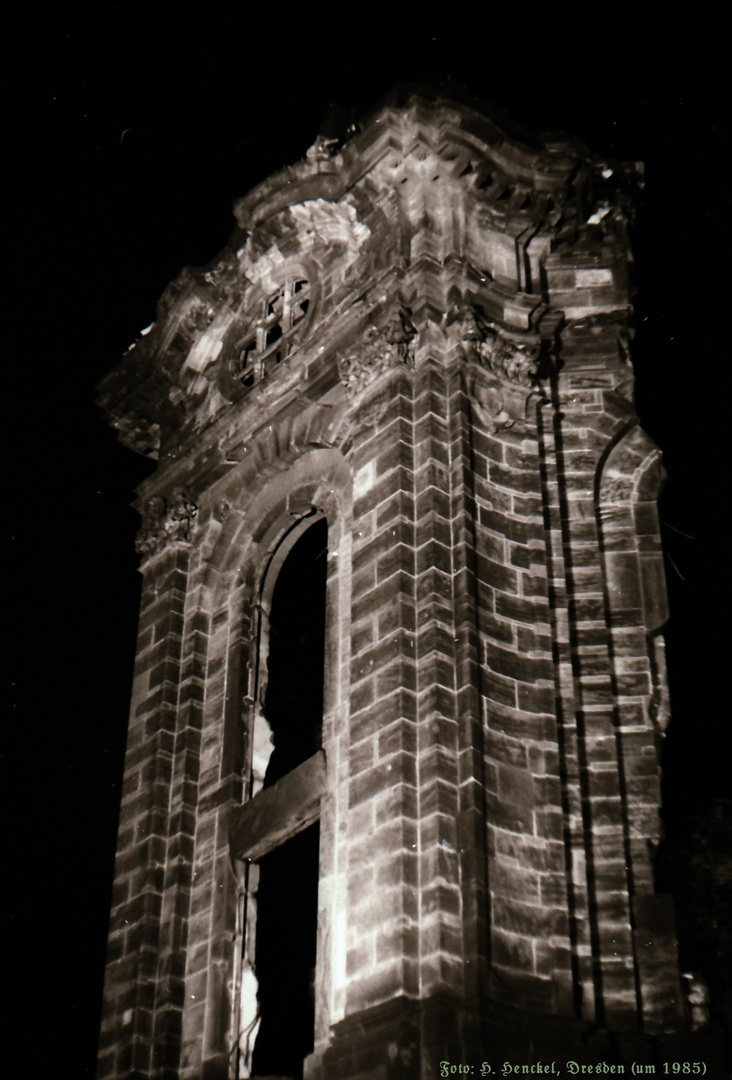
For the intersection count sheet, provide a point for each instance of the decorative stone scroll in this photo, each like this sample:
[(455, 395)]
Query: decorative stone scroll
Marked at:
[(511, 360), (489, 407), (515, 361), (502, 401), (165, 522), (382, 348)]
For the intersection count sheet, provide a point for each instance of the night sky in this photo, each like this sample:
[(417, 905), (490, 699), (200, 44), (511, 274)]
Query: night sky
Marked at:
[(132, 128)]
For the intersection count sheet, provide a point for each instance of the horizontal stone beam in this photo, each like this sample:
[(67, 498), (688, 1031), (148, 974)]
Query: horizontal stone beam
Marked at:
[(279, 812)]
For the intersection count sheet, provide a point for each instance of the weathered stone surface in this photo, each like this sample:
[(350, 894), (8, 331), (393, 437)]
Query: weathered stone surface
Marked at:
[(420, 337)]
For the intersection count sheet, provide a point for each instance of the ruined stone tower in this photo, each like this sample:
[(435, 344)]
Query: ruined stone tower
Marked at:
[(392, 782)]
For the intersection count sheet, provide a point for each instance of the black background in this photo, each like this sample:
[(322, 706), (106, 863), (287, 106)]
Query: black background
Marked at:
[(130, 129)]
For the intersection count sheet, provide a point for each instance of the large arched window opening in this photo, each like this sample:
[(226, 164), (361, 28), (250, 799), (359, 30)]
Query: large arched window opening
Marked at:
[(277, 834), (292, 702)]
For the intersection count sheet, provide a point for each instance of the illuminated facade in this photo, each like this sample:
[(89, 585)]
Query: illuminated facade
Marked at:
[(392, 780)]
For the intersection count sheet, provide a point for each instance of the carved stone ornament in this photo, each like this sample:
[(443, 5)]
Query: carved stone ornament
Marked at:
[(514, 361), (490, 409), (165, 522), (469, 331), (199, 318), (322, 149), (511, 360), (382, 348)]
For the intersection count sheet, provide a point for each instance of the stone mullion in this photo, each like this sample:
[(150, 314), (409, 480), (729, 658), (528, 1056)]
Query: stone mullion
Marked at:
[(566, 710), (136, 922), (601, 781), (382, 940), (472, 808), (441, 946)]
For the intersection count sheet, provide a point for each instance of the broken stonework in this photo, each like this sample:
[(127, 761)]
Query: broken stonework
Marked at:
[(400, 676)]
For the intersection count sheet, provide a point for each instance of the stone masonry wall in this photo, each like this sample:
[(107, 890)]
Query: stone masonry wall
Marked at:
[(455, 398), (148, 931)]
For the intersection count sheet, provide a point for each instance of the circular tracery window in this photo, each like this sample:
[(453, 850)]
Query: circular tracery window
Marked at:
[(271, 338)]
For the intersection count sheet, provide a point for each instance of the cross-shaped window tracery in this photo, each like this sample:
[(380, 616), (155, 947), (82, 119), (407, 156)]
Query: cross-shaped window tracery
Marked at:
[(270, 340)]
